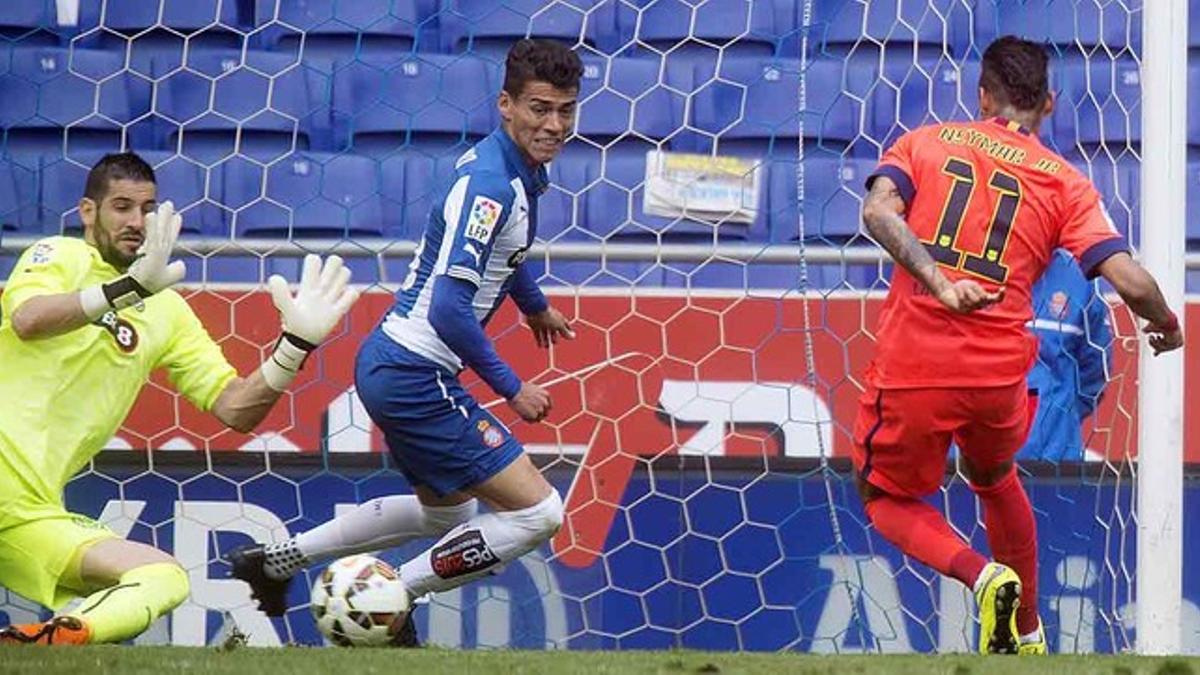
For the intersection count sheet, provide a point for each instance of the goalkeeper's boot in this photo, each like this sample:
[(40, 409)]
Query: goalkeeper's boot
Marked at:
[(61, 630), (406, 634), (998, 596), (1036, 646), (247, 563)]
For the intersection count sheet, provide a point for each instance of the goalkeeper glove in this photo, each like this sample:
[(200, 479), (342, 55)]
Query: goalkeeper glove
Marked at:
[(321, 301), (150, 273)]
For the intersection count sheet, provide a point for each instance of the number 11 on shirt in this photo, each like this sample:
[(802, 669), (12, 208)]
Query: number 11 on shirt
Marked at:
[(988, 265)]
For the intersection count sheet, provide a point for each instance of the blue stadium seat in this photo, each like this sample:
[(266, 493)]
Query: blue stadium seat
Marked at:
[(30, 23), (10, 209), (50, 94), (749, 98), (429, 100), (135, 24), (563, 207), (179, 180), (185, 183), (18, 197), (379, 31), (61, 184), (1193, 119), (266, 98), (410, 182), (742, 28), (182, 15), (1116, 181), (1098, 102), (614, 207), (838, 106), (1062, 22), (487, 28), (1125, 206), (305, 195), (833, 189), (932, 88), (838, 24), (615, 91)]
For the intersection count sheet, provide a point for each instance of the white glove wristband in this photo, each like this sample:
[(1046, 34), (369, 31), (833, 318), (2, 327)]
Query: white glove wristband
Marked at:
[(285, 362), (122, 292), (94, 302)]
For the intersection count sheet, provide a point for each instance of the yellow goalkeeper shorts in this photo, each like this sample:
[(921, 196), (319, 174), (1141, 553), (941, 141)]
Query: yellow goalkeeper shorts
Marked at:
[(34, 555)]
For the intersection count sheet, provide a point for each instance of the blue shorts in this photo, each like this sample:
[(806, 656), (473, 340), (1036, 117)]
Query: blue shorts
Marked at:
[(437, 432)]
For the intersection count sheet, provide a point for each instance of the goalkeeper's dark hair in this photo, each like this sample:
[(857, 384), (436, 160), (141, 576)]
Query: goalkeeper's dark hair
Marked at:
[(534, 60), (1015, 73), (116, 166)]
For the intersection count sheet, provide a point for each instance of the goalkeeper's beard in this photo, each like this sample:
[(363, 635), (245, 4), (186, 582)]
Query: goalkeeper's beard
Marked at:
[(110, 247)]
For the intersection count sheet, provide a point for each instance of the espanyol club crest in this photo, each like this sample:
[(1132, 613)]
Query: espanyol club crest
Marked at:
[(1058, 305), (492, 437)]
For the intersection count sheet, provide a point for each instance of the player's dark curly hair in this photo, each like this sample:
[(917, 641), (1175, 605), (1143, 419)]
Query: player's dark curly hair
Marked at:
[(533, 60), (116, 166), (1014, 73)]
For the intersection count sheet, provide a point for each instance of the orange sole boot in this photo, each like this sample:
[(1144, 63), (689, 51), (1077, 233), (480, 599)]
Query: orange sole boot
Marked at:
[(61, 630)]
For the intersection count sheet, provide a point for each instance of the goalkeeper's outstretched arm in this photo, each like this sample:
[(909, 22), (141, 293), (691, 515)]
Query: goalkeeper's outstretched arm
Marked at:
[(323, 298), (54, 314)]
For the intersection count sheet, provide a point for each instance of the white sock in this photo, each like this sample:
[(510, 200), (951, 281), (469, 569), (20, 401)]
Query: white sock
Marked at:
[(481, 546), (378, 524)]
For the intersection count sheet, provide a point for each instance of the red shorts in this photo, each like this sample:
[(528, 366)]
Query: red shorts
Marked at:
[(901, 436)]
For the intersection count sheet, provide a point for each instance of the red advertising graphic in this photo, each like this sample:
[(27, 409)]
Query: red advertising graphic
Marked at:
[(647, 375)]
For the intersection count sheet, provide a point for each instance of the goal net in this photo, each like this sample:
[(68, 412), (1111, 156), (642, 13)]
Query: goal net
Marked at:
[(702, 233)]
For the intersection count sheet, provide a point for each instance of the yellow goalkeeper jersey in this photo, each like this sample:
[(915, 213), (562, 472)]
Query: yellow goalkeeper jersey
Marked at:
[(63, 398)]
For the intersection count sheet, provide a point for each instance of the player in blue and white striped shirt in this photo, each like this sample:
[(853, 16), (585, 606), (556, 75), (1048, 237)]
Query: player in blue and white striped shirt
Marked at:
[(453, 452)]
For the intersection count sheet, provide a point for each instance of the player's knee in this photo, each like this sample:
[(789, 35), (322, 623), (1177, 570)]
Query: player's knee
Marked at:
[(987, 476), (441, 519), (542, 520), (553, 519)]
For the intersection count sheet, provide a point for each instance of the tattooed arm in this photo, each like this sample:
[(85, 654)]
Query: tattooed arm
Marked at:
[(883, 212)]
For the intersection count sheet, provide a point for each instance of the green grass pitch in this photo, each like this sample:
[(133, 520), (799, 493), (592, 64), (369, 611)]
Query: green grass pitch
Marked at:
[(431, 661)]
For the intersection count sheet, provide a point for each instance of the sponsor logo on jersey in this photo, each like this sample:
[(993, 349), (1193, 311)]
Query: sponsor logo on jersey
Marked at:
[(485, 213), (122, 332)]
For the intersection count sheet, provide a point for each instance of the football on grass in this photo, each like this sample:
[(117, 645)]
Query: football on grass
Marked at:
[(359, 601)]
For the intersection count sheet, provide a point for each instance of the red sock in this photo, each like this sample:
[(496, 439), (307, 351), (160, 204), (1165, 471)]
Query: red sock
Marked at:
[(1012, 534), (917, 529)]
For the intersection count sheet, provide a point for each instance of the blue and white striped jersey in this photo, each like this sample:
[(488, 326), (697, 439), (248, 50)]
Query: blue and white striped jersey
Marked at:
[(479, 231)]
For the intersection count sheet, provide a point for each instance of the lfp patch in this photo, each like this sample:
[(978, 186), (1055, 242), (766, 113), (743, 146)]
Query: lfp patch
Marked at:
[(485, 213), (42, 252)]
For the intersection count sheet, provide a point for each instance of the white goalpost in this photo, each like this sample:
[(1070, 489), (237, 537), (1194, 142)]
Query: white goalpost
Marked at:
[(1160, 394)]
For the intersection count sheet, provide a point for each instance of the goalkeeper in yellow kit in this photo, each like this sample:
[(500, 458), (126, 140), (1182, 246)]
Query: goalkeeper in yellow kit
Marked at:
[(83, 324)]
